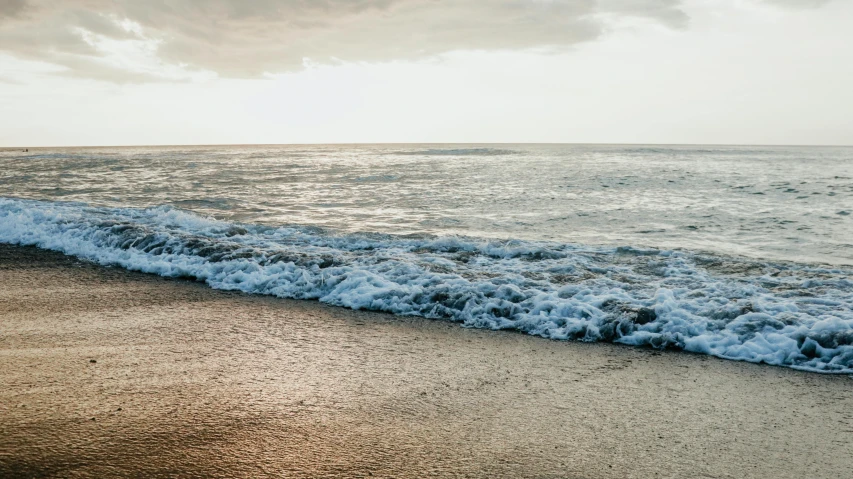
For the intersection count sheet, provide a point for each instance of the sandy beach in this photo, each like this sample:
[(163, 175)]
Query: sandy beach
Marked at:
[(110, 373)]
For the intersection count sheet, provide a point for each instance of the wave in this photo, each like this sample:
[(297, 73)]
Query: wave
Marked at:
[(785, 314), (457, 152)]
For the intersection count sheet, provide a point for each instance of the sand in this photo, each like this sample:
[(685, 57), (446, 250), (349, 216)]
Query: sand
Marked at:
[(110, 373)]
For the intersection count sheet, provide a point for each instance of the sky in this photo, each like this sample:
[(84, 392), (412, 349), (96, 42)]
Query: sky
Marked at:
[(126, 72)]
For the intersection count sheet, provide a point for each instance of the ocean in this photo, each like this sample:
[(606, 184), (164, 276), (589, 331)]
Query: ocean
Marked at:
[(740, 252)]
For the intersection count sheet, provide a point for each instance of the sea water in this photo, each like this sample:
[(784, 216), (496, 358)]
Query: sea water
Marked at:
[(738, 252)]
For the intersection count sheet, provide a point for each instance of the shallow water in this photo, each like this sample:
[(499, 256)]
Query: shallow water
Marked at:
[(736, 252), (782, 203)]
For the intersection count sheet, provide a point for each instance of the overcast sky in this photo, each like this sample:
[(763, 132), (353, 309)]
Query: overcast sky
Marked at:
[(129, 72)]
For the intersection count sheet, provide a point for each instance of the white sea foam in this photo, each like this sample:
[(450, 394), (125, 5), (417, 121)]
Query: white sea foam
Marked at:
[(786, 314)]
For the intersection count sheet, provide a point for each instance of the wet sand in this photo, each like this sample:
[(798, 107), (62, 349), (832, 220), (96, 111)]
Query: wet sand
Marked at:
[(110, 373)]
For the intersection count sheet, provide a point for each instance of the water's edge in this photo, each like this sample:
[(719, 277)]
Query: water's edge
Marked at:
[(794, 315)]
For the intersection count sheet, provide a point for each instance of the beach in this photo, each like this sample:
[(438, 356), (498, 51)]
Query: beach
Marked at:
[(415, 238), (110, 373)]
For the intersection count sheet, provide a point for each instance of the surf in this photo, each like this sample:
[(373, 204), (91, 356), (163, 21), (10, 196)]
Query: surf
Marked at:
[(785, 314)]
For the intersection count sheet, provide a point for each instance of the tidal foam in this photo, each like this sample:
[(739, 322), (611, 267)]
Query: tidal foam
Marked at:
[(785, 314)]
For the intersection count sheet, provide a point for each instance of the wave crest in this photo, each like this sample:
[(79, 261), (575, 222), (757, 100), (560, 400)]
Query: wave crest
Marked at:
[(785, 314)]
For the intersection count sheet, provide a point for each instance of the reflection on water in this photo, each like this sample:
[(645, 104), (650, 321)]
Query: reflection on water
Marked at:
[(789, 203)]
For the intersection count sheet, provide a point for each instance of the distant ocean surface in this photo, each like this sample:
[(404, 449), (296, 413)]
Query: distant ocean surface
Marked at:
[(739, 252)]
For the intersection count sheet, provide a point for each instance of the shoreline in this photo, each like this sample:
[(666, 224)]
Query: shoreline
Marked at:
[(197, 382)]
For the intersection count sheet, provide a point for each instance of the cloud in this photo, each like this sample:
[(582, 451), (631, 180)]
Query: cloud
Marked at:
[(131, 40), (798, 3), (11, 8)]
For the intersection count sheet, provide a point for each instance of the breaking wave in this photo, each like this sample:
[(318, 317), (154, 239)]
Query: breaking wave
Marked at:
[(785, 314)]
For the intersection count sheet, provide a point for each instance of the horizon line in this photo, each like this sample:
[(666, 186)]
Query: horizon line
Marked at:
[(429, 143)]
